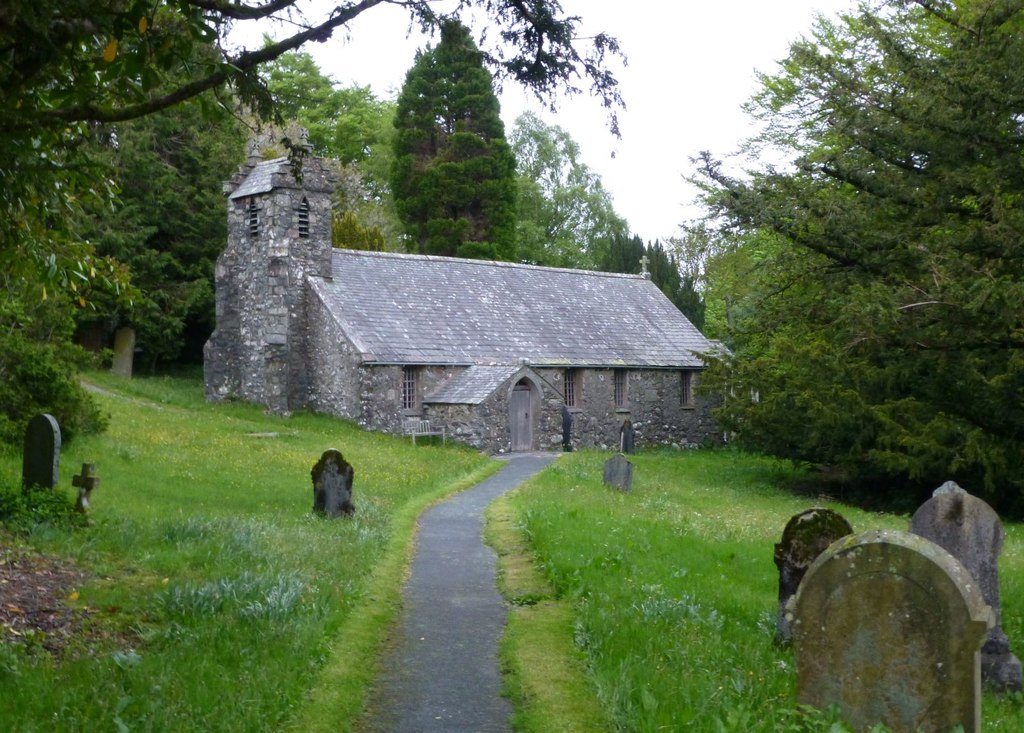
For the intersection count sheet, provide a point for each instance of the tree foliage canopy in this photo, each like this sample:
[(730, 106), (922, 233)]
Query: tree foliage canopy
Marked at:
[(566, 216), (884, 328)]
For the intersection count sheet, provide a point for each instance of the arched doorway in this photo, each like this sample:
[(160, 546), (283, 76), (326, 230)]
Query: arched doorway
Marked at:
[(520, 415)]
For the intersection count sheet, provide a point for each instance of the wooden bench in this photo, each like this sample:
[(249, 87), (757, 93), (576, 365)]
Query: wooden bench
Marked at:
[(416, 427)]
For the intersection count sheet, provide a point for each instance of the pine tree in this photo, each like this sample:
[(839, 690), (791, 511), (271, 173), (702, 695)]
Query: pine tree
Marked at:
[(453, 176)]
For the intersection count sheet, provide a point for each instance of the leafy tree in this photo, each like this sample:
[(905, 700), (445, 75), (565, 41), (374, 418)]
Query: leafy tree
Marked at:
[(351, 126), (886, 329), (348, 233), (566, 216), (453, 176)]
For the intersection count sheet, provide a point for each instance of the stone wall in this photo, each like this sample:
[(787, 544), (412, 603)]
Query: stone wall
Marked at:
[(655, 407), (258, 351), (333, 370)]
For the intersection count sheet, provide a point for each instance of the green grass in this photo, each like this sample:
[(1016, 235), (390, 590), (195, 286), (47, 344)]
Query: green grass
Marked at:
[(217, 600), (673, 589)]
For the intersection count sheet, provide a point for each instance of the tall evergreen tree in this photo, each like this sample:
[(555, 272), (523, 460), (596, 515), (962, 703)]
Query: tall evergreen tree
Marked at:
[(624, 254), (453, 177)]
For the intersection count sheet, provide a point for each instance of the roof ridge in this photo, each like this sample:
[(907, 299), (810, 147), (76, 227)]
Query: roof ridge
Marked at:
[(483, 263)]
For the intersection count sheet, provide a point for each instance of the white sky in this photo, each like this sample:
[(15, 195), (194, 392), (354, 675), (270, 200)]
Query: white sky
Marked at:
[(691, 65)]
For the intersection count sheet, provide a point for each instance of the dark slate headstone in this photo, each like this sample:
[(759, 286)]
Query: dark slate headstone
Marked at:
[(627, 437), (566, 429), (40, 462), (970, 530), (618, 472), (806, 536), (887, 626), (332, 485)]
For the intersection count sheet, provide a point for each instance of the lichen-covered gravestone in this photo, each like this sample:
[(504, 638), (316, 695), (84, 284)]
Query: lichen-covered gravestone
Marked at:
[(40, 461), (887, 626), (970, 530), (332, 485), (806, 536), (618, 472)]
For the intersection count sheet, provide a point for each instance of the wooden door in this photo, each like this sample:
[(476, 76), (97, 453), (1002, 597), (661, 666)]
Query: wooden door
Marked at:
[(520, 418)]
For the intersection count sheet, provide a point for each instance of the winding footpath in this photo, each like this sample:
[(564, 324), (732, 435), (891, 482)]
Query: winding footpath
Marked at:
[(442, 674)]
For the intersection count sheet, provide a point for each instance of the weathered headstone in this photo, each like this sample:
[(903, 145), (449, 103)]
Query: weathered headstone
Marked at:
[(627, 437), (332, 485), (970, 530), (85, 482), (40, 460), (806, 536), (887, 626), (618, 472), (566, 429), (124, 351)]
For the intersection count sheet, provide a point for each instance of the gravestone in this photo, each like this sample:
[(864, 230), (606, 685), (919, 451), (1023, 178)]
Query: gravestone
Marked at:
[(806, 536), (887, 626), (627, 437), (566, 429), (618, 472), (124, 351), (40, 460), (970, 530), (85, 482), (332, 485)]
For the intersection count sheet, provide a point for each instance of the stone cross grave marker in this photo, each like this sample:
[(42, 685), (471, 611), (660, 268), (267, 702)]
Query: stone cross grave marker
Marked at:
[(618, 472), (40, 461), (332, 485), (627, 437), (806, 536), (888, 625), (970, 530), (85, 482)]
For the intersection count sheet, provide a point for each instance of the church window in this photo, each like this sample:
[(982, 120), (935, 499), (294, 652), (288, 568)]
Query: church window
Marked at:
[(571, 388), (304, 218), (410, 390), (686, 388), (252, 217), (621, 387)]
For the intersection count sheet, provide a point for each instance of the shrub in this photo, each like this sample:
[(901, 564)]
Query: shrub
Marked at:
[(40, 377), (22, 511)]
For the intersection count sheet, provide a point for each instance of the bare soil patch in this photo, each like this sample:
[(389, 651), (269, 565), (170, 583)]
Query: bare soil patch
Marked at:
[(35, 599)]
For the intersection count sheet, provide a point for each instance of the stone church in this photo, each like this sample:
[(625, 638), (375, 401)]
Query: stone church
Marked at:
[(492, 352)]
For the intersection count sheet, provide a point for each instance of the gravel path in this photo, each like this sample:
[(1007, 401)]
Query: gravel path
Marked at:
[(442, 673)]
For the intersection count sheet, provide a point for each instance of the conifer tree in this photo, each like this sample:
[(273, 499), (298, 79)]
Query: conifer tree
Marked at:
[(453, 177)]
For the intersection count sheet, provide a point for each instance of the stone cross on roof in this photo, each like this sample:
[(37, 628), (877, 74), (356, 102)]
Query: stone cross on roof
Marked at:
[(644, 261)]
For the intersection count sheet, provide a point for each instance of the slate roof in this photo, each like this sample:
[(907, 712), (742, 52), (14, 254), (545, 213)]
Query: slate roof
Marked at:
[(261, 178), (414, 309), (471, 386)]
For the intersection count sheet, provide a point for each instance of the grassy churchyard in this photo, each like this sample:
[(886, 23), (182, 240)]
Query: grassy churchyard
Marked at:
[(214, 600)]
